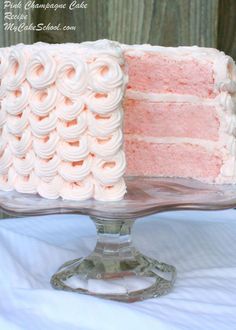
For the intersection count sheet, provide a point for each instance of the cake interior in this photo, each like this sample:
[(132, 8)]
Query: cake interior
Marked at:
[(172, 120)]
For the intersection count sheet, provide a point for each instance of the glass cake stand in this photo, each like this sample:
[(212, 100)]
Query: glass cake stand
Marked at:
[(116, 269)]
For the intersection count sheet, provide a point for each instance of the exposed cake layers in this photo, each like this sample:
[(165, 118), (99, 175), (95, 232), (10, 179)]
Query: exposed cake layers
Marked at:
[(180, 113), (61, 132), (61, 118)]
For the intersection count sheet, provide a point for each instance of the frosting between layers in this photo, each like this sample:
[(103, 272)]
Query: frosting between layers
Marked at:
[(224, 71)]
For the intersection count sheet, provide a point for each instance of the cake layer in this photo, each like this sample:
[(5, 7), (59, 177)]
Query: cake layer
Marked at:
[(162, 73), (163, 119), (171, 160)]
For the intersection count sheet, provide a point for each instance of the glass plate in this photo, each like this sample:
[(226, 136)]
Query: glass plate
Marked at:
[(116, 269)]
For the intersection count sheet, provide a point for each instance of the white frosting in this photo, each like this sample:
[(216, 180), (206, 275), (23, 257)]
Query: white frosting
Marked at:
[(105, 74), (56, 100), (4, 52), (43, 101), (79, 190), (16, 100), (3, 116), (3, 140), (62, 116), (41, 70), (209, 145), (106, 146), (74, 152), (46, 147), (16, 69), (5, 160), (47, 167), (75, 171), (24, 166), (104, 125), (170, 98), (20, 145), (24, 184), (73, 132), (72, 76), (5, 185), (109, 171), (110, 192), (50, 189), (177, 52), (43, 126), (68, 109), (3, 89), (104, 103), (17, 124)]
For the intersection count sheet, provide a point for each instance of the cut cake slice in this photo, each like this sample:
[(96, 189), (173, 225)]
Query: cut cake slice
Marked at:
[(180, 109)]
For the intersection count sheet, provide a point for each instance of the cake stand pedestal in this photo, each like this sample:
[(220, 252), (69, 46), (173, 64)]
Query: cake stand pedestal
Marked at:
[(116, 269)]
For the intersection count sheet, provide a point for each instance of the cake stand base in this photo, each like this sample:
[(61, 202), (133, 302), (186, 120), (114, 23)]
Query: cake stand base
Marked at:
[(116, 269)]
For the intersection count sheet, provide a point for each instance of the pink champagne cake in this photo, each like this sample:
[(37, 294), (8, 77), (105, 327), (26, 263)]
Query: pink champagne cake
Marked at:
[(180, 113), (61, 120), (61, 117)]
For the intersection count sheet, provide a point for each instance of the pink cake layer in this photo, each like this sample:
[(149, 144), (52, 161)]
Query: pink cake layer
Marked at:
[(158, 73), (178, 160), (171, 119)]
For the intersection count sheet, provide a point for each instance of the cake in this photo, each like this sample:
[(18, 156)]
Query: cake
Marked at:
[(180, 113), (63, 132), (61, 120)]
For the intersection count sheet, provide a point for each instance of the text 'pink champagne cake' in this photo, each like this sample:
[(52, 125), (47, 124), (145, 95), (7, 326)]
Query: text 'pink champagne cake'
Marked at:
[(61, 117)]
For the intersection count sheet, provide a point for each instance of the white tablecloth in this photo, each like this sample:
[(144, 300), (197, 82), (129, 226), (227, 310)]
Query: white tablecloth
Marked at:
[(202, 245)]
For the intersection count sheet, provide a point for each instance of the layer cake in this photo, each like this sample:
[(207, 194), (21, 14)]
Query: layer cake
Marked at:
[(61, 120), (180, 110)]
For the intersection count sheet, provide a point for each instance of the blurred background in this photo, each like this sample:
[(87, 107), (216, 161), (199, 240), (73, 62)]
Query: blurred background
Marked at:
[(209, 23)]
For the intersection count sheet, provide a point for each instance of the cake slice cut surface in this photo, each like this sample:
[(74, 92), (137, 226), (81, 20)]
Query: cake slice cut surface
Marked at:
[(180, 110)]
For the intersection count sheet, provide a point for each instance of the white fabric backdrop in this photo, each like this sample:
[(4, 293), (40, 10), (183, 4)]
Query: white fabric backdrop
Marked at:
[(202, 245)]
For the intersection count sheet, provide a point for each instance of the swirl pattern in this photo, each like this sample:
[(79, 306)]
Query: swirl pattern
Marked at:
[(104, 125), (17, 64), (107, 146), (110, 192), (76, 171), (72, 76), (68, 109), (41, 71), (60, 120), (104, 103), (79, 190), (16, 100), (43, 126), (105, 74), (72, 130), (73, 152), (109, 171), (17, 124), (43, 101)]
